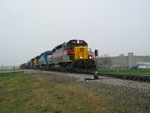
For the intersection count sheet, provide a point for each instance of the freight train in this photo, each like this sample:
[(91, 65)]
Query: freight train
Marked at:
[(74, 56)]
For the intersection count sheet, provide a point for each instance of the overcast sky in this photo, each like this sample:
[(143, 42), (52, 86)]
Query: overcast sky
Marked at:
[(30, 27)]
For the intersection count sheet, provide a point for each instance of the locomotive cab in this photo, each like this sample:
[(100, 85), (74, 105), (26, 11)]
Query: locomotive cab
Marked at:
[(80, 49)]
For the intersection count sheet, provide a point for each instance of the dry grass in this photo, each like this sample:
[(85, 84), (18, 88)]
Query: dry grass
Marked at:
[(56, 94), (104, 100)]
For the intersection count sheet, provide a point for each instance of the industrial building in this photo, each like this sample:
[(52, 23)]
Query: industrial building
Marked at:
[(124, 62)]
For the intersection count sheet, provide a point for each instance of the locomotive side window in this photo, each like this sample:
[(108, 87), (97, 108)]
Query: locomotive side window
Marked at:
[(65, 47), (54, 50)]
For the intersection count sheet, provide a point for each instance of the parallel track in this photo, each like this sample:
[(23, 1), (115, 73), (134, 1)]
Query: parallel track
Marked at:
[(141, 78)]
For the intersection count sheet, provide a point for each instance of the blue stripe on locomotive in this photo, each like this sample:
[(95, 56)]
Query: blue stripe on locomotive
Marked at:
[(44, 57)]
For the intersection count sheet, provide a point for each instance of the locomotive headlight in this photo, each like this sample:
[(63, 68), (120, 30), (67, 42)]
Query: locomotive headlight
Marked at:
[(80, 57), (90, 57)]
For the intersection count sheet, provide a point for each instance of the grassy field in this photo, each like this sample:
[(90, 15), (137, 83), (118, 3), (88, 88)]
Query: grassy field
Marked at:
[(5, 69), (8, 69), (35, 94), (127, 72)]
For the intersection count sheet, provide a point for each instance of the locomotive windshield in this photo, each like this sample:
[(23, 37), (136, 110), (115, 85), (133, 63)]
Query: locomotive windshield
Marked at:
[(74, 43)]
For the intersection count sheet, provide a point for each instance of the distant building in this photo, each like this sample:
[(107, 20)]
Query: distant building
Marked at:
[(8, 67), (122, 62)]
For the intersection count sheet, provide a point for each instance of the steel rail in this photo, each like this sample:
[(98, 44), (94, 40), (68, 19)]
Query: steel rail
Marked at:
[(142, 78)]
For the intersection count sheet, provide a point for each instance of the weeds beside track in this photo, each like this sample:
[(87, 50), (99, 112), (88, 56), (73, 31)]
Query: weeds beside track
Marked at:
[(39, 93)]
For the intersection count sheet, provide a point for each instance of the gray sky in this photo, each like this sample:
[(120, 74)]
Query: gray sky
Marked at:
[(30, 27)]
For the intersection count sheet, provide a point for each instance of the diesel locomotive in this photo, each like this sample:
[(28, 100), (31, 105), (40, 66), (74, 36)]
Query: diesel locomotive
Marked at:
[(73, 55)]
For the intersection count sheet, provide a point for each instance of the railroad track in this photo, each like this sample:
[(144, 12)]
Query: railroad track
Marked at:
[(141, 78), (119, 76)]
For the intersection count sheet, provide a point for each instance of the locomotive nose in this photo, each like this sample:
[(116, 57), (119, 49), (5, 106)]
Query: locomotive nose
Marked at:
[(81, 53)]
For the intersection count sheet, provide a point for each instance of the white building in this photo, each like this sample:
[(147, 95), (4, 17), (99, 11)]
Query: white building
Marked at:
[(122, 62)]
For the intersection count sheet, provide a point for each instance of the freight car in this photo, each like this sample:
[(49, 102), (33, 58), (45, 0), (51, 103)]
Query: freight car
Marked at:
[(22, 66), (73, 55)]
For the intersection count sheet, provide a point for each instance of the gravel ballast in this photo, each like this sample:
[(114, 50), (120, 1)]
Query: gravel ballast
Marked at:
[(118, 91)]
